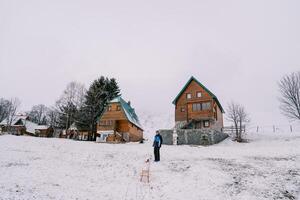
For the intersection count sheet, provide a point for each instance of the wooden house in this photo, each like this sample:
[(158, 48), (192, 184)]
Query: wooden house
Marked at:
[(73, 132), (119, 123), (17, 125), (21, 125), (44, 131), (196, 107)]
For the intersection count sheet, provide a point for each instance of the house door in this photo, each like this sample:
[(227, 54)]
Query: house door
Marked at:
[(198, 125), (103, 137)]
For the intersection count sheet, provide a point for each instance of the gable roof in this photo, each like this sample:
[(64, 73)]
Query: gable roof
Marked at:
[(24, 121), (30, 126), (15, 120), (200, 84), (128, 110)]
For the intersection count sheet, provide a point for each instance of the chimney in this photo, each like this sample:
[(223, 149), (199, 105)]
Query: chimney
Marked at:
[(129, 103)]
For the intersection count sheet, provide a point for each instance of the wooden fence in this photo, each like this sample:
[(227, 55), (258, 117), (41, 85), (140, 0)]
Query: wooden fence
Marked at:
[(233, 130)]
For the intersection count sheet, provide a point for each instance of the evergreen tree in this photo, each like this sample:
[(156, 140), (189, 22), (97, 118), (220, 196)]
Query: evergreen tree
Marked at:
[(101, 91), (67, 115), (4, 107)]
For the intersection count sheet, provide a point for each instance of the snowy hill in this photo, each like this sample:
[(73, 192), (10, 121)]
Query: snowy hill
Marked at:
[(151, 122)]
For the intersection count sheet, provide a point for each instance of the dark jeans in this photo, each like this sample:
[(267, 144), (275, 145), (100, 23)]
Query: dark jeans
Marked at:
[(156, 154)]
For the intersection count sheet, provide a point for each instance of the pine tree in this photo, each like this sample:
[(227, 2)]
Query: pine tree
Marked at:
[(4, 106), (67, 115), (101, 91)]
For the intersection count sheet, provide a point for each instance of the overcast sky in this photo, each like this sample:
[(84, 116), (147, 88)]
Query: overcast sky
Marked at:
[(238, 49)]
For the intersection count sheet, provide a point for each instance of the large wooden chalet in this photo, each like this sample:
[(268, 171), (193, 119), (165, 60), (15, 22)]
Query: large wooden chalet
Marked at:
[(197, 107), (119, 123)]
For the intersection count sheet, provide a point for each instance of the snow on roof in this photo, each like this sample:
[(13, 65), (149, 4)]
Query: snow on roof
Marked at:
[(3, 122), (73, 127), (15, 120), (41, 127), (30, 126)]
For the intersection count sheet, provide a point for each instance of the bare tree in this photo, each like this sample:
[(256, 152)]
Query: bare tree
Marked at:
[(74, 93), (232, 115), (38, 114), (14, 105), (53, 117), (243, 119), (237, 114), (69, 103), (289, 87)]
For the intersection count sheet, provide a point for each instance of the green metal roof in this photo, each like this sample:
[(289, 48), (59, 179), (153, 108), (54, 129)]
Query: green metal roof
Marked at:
[(207, 90), (128, 110)]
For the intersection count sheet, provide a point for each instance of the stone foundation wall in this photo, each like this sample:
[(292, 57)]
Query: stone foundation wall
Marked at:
[(193, 136), (167, 136)]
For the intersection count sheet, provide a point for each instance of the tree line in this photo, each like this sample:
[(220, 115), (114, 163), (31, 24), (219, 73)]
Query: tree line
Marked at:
[(76, 105), (83, 106)]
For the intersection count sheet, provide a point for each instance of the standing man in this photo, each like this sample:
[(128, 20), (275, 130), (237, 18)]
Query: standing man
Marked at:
[(157, 144)]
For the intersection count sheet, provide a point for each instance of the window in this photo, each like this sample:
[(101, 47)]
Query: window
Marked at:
[(201, 106), (106, 123), (188, 95), (182, 109), (118, 108), (216, 113), (109, 108), (206, 106), (196, 106), (206, 124), (199, 94)]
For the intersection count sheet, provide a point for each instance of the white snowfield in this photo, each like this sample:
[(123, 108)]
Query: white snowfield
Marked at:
[(47, 168)]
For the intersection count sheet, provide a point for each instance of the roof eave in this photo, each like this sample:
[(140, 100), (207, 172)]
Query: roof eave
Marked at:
[(219, 104), (182, 90)]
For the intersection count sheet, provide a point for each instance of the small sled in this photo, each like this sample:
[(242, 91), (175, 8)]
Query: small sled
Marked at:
[(145, 174)]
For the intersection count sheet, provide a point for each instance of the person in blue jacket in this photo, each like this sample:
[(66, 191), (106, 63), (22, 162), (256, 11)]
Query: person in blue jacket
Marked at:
[(157, 144)]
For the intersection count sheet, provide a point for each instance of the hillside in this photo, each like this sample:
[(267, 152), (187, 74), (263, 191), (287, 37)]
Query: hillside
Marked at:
[(48, 168), (151, 122)]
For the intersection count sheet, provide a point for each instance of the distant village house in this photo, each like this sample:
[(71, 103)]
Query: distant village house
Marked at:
[(74, 133), (21, 125)]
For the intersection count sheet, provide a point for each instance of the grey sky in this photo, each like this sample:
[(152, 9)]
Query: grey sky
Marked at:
[(238, 49)]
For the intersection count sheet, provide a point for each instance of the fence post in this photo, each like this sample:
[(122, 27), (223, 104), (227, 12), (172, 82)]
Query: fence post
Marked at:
[(291, 128), (257, 129)]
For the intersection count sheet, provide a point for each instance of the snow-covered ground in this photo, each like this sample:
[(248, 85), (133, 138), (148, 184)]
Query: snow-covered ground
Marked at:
[(47, 168)]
